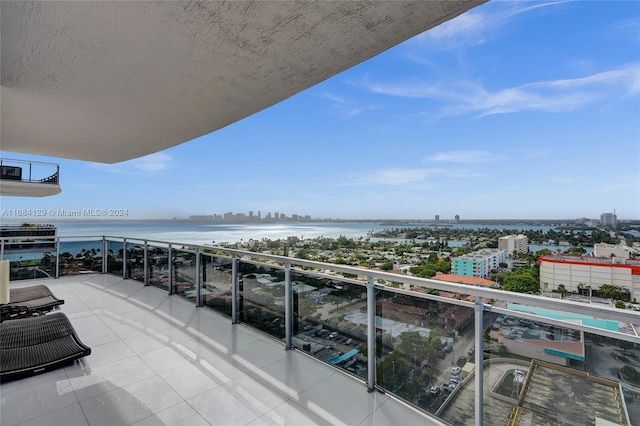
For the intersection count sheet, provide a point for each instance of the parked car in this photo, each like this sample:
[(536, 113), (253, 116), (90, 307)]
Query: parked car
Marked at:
[(447, 349), (455, 370), (455, 379), (333, 335), (435, 390), (461, 361)]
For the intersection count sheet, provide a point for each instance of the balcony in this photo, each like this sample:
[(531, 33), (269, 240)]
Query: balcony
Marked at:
[(202, 335), (28, 178)]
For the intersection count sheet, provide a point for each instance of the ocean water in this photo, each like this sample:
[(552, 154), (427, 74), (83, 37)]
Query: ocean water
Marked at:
[(221, 232), (216, 233)]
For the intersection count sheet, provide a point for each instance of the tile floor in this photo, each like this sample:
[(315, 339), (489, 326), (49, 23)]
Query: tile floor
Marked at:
[(157, 360)]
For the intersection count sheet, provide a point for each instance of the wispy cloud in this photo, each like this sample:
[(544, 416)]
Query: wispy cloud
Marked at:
[(552, 96), (348, 108), (152, 163), (474, 27), (410, 176), (465, 156)]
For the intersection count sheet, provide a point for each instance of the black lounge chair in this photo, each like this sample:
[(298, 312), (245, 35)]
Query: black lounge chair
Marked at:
[(34, 345), (36, 298)]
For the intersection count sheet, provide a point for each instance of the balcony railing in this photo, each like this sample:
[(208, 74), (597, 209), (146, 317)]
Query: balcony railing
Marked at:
[(29, 171), (465, 354)]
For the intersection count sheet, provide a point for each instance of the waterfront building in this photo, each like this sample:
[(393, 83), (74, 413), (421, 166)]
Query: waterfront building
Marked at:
[(513, 243), (609, 220), (580, 272), (479, 263)]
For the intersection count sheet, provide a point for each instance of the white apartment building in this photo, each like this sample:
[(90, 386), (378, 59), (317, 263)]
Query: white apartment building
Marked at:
[(593, 272), (511, 243), (609, 219), (612, 250)]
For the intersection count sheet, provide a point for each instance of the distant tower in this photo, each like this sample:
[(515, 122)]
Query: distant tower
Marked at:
[(609, 219), (457, 218), (259, 215), (437, 218)]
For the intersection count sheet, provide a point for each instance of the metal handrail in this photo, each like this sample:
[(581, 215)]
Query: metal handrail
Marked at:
[(51, 179), (595, 310)]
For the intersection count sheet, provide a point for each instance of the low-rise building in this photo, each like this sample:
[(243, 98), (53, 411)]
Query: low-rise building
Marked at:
[(576, 272), (479, 263), (612, 250)]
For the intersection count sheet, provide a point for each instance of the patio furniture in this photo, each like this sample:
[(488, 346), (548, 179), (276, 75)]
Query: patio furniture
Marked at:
[(34, 345), (37, 298)]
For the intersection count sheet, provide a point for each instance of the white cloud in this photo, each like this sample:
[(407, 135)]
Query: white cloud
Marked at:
[(466, 156), (474, 27), (559, 95), (152, 163), (348, 108), (411, 176)]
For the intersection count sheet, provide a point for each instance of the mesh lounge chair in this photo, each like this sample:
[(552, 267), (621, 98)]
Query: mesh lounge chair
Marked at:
[(34, 345), (36, 298)]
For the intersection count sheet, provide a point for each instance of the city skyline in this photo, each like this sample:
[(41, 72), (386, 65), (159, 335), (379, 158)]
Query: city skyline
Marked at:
[(513, 110)]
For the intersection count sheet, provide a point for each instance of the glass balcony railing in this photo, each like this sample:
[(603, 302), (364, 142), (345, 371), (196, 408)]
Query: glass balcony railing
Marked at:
[(467, 355)]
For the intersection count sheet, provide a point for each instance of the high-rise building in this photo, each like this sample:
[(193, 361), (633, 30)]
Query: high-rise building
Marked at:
[(511, 243), (609, 219), (457, 218), (437, 219)]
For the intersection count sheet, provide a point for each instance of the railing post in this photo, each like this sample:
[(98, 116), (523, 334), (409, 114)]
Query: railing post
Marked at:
[(57, 257), (198, 280), (371, 334), (288, 306), (234, 289), (124, 259), (170, 268), (479, 360), (105, 255), (1, 245), (145, 262)]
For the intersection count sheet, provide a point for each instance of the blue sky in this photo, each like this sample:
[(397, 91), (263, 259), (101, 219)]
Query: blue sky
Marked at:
[(513, 110)]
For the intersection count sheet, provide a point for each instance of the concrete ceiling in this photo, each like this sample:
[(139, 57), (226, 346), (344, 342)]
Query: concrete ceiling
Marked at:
[(109, 81)]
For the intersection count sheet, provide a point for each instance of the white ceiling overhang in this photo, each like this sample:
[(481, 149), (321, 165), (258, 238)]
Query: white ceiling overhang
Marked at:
[(109, 81)]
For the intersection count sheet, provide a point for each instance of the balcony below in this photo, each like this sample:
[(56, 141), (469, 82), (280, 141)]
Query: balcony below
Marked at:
[(156, 359), (19, 178)]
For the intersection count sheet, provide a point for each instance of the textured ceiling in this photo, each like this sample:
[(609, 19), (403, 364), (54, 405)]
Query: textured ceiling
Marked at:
[(108, 81)]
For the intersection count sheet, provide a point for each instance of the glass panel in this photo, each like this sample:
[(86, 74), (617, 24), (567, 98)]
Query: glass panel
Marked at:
[(532, 363), (424, 354), (184, 274), (217, 281), (159, 267), (330, 321), (617, 361), (77, 257), (30, 263), (135, 261), (261, 301), (114, 257)]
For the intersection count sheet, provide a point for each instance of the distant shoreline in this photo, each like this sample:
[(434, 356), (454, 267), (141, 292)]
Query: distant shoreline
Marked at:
[(385, 222)]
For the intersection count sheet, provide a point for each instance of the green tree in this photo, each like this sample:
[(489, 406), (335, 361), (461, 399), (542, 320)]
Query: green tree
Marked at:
[(387, 266), (521, 283), (562, 289)]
